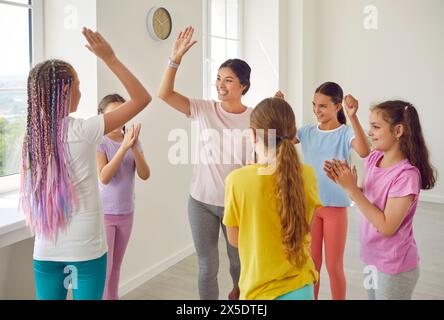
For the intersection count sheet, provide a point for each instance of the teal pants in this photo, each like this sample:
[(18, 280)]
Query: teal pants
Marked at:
[(85, 278), (305, 293)]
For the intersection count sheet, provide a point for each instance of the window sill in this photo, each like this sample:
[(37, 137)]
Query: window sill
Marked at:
[(12, 224)]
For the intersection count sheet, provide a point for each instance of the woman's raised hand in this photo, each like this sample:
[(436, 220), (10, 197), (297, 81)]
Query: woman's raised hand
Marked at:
[(182, 44)]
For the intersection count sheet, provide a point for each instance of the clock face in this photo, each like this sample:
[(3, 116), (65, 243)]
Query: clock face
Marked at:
[(161, 23)]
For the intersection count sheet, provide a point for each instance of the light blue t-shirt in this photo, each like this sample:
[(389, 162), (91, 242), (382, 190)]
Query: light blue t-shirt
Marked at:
[(320, 145)]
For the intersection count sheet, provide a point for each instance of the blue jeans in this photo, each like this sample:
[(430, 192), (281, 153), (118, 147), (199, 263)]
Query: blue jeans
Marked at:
[(53, 278), (304, 293)]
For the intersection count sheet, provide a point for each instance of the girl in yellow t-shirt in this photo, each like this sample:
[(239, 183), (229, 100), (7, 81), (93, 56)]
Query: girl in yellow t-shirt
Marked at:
[(268, 210)]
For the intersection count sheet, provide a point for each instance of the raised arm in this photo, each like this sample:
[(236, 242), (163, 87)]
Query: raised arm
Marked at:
[(142, 167), (139, 96), (166, 92), (360, 143)]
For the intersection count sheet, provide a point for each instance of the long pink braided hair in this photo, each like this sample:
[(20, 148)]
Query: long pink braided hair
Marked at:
[(47, 195)]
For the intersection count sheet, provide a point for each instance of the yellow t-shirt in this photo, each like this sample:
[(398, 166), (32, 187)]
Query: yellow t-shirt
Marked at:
[(250, 205)]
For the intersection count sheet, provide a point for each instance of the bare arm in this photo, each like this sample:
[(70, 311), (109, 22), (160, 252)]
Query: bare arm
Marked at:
[(139, 96), (360, 143), (233, 235), (142, 168), (171, 97), (387, 222), (166, 90), (312, 219), (107, 170)]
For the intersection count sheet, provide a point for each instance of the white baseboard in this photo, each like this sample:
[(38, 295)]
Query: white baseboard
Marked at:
[(155, 270), (431, 198)]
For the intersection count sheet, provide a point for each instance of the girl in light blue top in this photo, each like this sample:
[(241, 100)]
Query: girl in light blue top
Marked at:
[(331, 138)]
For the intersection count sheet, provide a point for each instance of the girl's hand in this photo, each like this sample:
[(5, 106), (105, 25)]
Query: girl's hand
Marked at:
[(136, 135), (340, 173), (279, 95), (98, 45), (182, 44), (129, 139), (351, 105)]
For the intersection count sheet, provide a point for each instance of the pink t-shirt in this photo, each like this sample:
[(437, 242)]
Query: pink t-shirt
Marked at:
[(221, 147), (398, 253)]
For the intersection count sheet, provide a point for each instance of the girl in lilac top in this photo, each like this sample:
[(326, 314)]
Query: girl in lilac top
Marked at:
[(396, 171), (118, 157)]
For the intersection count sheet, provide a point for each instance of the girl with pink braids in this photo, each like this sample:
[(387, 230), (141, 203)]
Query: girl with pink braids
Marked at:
[(59, 191)]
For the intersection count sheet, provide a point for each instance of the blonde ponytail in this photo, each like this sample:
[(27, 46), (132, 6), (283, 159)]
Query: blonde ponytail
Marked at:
[(277, 114)]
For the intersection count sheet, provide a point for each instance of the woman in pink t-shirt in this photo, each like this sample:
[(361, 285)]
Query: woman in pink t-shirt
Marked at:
[(222, 131), (395, 172)]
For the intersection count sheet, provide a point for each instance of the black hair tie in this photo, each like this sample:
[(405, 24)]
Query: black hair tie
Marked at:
[(280, 139)]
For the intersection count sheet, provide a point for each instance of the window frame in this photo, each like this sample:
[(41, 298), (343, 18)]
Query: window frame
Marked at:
[(208, 82), (11, 183)]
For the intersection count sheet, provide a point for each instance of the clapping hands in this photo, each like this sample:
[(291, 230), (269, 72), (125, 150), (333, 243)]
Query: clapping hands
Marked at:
[(341, 173)]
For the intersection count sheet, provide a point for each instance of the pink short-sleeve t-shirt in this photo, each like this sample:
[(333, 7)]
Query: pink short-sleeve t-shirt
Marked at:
[(221, 140), (399, 252)]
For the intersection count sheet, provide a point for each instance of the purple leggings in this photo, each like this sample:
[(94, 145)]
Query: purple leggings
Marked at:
[(118, 231)]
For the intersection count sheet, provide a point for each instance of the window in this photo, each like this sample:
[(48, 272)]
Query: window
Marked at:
[(21, 43), (223, 40)]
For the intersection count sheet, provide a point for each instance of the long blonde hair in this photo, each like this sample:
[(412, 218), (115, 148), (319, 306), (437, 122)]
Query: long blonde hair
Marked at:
[(274, 113)]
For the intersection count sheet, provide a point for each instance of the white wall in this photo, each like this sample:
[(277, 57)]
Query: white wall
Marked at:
[(161, 233), (279, 44), (261, 48), (64, 20), (297, 74), (402, 59), (16, 271)]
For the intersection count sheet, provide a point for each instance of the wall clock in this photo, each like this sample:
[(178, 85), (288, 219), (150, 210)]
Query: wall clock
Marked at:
[(159, 23)]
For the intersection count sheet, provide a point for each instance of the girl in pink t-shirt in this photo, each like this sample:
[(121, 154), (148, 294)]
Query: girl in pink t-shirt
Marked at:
[(395, 172)]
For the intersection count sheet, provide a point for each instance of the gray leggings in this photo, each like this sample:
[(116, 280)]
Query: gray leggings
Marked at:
[(205, 221), (394, 287)]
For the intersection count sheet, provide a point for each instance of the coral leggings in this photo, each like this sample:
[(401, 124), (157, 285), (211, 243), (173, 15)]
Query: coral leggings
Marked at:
[(330, 228)]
